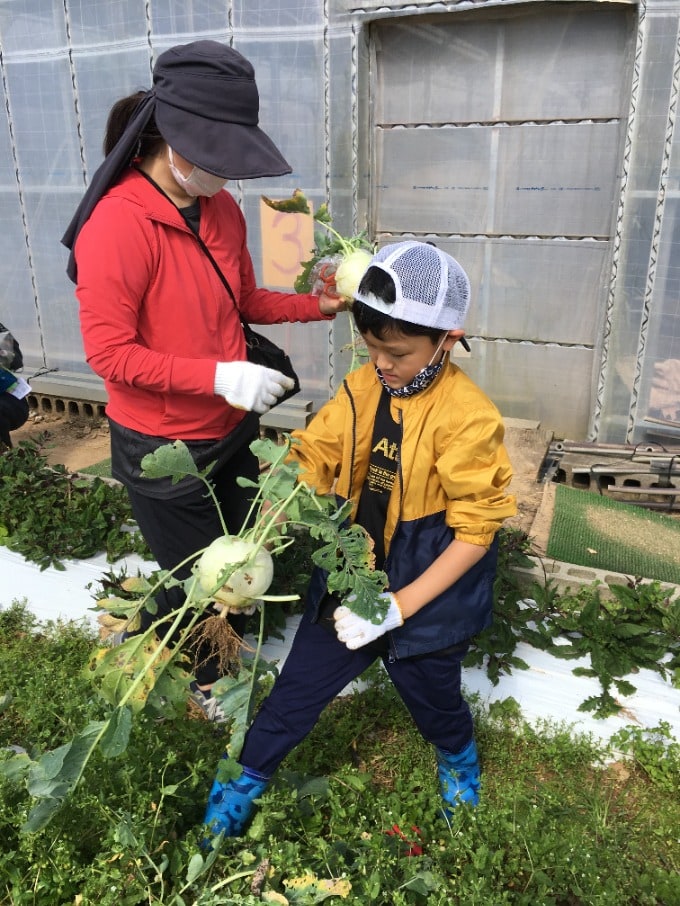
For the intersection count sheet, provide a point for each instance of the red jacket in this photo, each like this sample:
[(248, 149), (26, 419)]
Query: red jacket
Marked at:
[(154, 315)]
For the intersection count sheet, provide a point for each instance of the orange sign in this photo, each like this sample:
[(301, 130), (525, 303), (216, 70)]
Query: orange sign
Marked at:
[(287, 240)]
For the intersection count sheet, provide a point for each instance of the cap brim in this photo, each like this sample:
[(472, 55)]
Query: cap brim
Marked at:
[(229, 150)]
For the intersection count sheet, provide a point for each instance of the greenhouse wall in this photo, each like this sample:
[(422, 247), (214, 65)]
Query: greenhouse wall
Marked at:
[(535, 142)]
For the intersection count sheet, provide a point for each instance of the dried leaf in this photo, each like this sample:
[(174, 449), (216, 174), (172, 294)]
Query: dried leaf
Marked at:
[(296, 204)]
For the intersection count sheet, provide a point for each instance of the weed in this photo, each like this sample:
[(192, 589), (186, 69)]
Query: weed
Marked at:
[(636, 626), (555, 825)]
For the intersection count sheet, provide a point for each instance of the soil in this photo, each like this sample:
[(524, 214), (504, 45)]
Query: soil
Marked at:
[(79, 442), (74, 442)]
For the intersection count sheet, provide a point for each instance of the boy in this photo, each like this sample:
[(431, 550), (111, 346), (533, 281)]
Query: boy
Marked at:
[(418, 448)]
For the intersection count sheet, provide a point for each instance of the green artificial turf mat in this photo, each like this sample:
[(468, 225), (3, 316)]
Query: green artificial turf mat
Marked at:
[(591, 530), (101, 469)]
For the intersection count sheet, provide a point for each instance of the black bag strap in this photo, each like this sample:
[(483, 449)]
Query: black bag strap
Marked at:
[(250, 335), (218, 270)]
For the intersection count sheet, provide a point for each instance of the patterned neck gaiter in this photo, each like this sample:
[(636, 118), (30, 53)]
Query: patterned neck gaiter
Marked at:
[(422, 380)]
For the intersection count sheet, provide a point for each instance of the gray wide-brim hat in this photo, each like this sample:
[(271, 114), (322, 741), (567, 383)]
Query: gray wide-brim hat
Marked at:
[(207, 109), (206, 106)]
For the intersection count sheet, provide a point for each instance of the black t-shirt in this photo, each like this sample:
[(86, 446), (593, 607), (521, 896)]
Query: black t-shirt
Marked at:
[(192, 215), (383, 467)]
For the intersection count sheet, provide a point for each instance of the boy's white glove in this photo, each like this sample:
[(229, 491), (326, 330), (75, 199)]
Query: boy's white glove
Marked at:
[(355, 631), (246, 385)]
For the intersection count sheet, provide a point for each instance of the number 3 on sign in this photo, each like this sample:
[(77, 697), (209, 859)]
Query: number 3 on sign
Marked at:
[(287, 240)]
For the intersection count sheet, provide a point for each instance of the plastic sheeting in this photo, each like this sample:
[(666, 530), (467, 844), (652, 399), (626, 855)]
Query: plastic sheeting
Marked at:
[(547, 691)]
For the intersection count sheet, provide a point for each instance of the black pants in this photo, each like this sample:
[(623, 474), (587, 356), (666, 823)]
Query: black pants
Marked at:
[(178, 527), (13, 414), (319, 667)]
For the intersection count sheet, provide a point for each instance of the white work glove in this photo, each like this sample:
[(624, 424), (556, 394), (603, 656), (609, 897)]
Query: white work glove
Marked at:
[(249, 386), (356, 632)]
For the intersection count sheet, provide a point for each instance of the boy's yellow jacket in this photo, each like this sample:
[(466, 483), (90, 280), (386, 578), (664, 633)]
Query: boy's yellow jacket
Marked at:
[(452, 480)]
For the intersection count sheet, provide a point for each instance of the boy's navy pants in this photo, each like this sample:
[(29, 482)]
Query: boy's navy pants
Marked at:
[(319, 667)]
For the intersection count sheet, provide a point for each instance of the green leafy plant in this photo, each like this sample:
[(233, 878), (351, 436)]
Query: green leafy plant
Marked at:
[(655, 751), (495, 646), (635, 630), (558, 822), (635, 626), (49, 515), (148, 669)]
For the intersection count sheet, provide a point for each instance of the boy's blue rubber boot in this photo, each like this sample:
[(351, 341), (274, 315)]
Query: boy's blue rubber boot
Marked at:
[(459, 777), (230, 804)]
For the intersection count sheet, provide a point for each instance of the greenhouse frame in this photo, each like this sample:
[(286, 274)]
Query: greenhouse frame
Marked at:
[(534, 141)]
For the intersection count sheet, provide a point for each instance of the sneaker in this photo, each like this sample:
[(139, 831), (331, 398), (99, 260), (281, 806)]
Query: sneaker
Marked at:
[(207, 703), (230, 804), (459, 777)]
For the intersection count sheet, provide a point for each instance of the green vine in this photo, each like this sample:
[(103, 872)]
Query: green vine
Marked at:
[(635, 626), (49, 515)]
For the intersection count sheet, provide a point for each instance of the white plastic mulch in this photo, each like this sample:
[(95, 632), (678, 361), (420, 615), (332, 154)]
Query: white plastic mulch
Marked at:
[(548, 690)]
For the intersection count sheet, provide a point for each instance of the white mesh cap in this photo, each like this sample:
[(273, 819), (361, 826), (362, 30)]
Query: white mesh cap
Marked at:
[(433, 290)]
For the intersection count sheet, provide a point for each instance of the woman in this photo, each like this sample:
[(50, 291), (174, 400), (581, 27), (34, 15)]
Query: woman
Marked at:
[(158, 323)]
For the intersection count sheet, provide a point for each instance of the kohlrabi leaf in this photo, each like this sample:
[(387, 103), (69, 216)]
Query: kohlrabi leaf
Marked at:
[(269, 451), (171, 461), (349, 560), (309, 889), (55, 774), (117, 735), (234, 695), (132, 665), (322, 214)]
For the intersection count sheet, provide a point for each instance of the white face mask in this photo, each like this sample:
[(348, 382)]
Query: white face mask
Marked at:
[(198, 182)]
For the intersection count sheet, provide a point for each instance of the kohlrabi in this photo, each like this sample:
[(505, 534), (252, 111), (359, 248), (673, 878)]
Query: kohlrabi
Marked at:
[(348, 257), (235, 572), (350, 271)]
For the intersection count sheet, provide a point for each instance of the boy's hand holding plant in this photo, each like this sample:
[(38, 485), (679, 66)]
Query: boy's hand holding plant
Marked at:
[(356, 631)]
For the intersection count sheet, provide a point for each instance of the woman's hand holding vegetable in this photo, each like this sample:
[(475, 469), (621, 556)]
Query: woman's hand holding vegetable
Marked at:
[(246, 385), (330, 302), (355, 631)]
